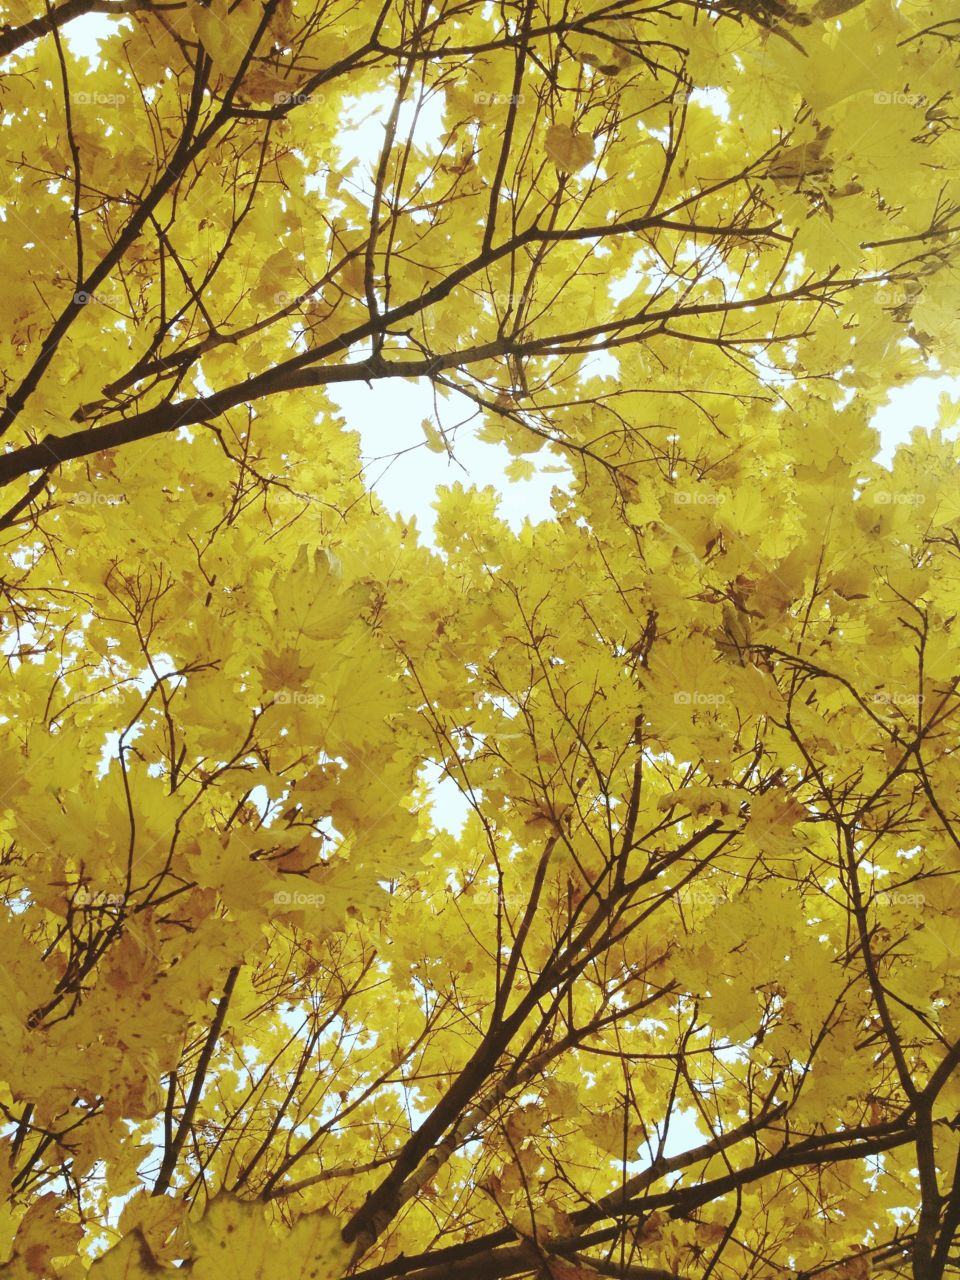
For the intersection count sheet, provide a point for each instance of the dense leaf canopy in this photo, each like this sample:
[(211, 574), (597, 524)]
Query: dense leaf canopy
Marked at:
[(681, 996)]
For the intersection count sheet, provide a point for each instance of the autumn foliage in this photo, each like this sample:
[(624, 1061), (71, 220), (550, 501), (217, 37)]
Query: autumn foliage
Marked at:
[(682, 996)]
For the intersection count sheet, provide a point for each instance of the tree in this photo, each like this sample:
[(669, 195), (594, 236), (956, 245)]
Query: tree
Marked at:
[(680, 998)]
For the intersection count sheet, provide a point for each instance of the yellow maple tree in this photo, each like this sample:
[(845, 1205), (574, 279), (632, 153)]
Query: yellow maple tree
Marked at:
[(680, 996)]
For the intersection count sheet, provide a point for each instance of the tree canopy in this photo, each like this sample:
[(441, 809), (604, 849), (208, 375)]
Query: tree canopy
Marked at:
[(681, 995)]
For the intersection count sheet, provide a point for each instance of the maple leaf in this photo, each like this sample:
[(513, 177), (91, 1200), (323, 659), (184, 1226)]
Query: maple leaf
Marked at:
[(568, 149), (231, 1240)]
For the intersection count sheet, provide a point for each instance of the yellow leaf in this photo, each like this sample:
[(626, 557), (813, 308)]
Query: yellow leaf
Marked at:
[(226, 31), (131, 1259), (235, 1241), (568, 150), (156, 1217), (519, 469), (643, 510), (435, 441)]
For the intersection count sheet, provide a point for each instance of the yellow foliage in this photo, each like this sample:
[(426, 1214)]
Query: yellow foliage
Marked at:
[(530, 895)]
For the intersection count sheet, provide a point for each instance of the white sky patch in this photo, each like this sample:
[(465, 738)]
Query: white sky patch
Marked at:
[(365, 120), (915, 405), (715, 99), (83, 36), (683, 1134), (405, 474), (449, 807)]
